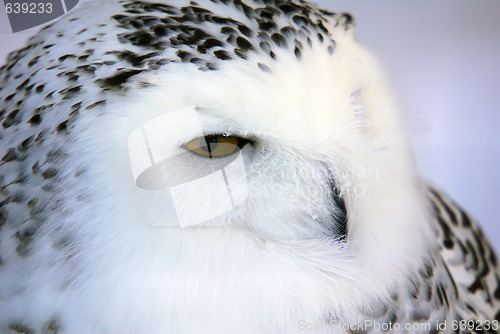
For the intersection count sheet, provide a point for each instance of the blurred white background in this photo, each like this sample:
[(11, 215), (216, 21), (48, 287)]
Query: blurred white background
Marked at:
[(443, 58)]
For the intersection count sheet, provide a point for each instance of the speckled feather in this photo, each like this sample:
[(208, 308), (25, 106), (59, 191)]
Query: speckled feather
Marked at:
[(70, 71)]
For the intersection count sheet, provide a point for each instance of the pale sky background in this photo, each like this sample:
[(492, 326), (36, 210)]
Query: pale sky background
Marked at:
[(443, 59)]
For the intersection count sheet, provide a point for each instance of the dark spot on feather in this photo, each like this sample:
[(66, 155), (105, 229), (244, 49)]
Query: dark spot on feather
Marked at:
[(414, 289), (21, 327), (444, 204), (12, 118), (23, 84), (117, 80), (132, 58), (25, 237), (10, 155), (139, 38), (265, 46), (240, 53), (26, 143), (52, 327), (279, 39), (301, 20), (69, 92), (3, 216), (245, 30), (62, 126), (243, 44), (222, 55), (208, 44), (35, 168), (18, 197), (428, 293), (320, 25), (66, 56), (195, 60), (297, 53), (330, 49), (264, 67), (427, 272), (33, 61), (267, 25), (470, 308), (447, 237), (183, 55), (419, 315), (49, 95), (348, 19), (289, 8), (227, 30), (465, 219), (96, 104), (49, 173)]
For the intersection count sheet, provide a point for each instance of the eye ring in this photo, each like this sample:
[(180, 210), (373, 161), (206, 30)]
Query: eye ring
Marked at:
[(216, 146)]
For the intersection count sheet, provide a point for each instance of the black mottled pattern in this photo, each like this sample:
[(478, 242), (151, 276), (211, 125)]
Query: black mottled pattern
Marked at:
[(463, 246), (437, 292), (157, 27), (20, 327)]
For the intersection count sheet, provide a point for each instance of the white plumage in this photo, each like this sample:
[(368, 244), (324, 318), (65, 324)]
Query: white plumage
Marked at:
[(337, 227)]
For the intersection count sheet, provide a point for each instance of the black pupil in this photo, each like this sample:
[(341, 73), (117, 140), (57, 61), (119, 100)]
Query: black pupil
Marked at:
[(212, 143)]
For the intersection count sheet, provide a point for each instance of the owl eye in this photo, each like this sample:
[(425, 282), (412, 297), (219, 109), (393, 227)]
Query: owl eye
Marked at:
[(216, 146)]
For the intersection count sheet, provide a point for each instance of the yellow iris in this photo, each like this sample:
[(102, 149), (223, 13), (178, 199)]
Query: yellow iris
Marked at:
[(215, 146)]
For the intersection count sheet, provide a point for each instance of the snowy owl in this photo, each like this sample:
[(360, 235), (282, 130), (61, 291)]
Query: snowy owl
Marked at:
[(221, 166)]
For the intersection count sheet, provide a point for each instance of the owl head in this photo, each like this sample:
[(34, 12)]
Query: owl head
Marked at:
[(189, 159)]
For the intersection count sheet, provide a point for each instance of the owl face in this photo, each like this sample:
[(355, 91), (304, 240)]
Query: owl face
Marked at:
[(232, 157), (303, 141), (272, 167)]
